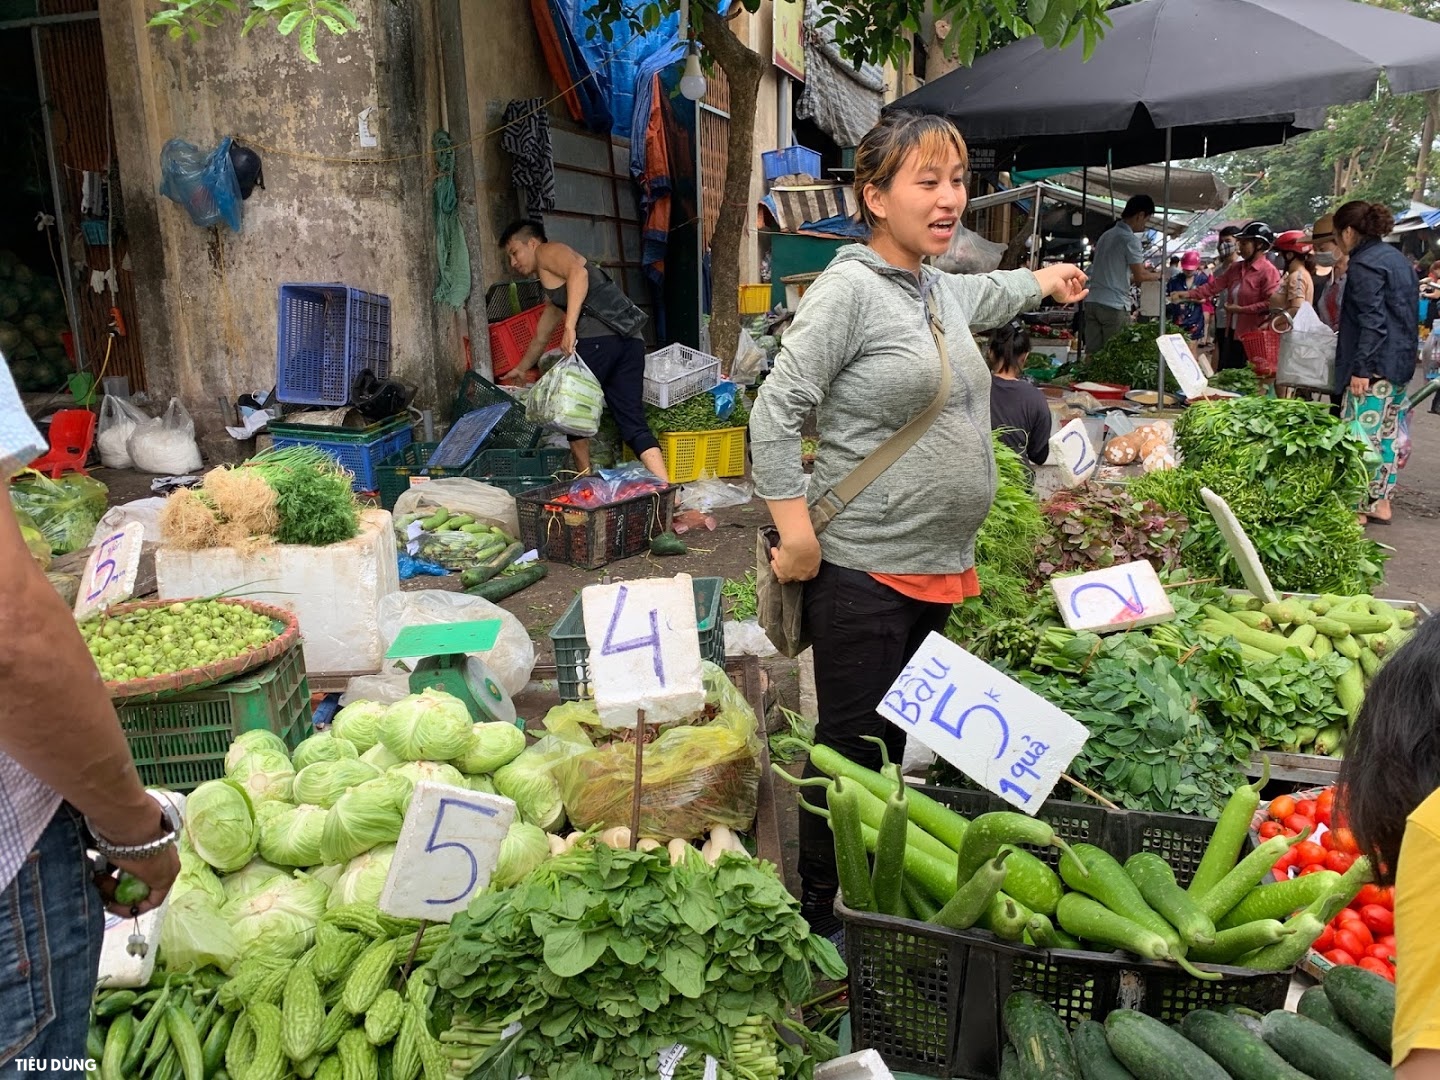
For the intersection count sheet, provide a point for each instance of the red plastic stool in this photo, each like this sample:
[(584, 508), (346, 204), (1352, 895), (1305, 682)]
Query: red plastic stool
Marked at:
[(72, 433)]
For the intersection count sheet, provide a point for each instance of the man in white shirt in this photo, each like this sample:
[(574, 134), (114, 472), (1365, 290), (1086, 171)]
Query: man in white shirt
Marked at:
[(1118, 263), (67, 783)]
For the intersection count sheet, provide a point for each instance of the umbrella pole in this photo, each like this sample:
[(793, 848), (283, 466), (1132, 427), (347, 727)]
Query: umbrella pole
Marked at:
[(1164, 261)]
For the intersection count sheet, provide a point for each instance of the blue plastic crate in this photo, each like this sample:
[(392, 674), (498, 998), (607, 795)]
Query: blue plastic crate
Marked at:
[(362, 458), (328, 334), (791, 160)]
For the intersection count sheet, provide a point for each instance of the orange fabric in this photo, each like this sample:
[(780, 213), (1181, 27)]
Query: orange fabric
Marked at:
[(934, 588)]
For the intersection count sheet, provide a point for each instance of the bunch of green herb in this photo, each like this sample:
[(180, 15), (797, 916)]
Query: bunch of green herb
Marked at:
[(1130, 358), (697, 414), (313, 496), (1091, 528), (609, 957), (1236, 380)]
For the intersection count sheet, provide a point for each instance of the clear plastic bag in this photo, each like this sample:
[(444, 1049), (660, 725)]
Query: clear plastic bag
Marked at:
[(970, 253), (486, 504), (118, 418), (165, 445), (568, 398), (749, 359), (202, 182), (65, 510), (708, 495), (511, 659), (695, 775)]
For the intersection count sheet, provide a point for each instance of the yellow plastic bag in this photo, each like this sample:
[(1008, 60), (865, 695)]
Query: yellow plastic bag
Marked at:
[(696, 775)]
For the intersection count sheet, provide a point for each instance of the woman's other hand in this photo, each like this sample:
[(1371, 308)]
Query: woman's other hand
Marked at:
[(1062, 282), (1359, 386), (796, 560)]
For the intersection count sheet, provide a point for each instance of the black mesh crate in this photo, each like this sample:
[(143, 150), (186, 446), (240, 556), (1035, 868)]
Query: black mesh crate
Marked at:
[(591, 537)]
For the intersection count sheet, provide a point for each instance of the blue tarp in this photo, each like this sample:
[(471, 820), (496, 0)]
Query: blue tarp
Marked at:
[(618, 63)]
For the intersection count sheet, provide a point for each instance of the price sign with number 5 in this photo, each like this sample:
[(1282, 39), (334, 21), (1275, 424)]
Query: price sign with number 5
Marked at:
[(446, 852), (987, 725)]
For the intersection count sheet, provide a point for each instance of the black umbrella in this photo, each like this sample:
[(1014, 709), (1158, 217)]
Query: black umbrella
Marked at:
[(1208, 75)]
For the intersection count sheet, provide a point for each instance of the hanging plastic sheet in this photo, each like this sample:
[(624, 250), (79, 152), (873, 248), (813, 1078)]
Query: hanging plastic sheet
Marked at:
[(202, 182), (452, 282)]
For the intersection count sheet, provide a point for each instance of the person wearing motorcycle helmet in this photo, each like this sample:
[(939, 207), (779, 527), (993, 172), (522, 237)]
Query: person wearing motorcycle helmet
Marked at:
[(1227, 257), (1191, 317), (1249, 284), (1297, 288)]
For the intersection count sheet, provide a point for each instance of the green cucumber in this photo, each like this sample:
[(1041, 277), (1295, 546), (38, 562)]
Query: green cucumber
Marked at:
[(1090, 920), (1243, 1054), (1280, 899), (1316, 1050), (1108, 883), (498, 588), (973, 898), (1348, 647), (1220, 900), (1156, 881), (1247, 1018), (1010, 1064), (1093, 1053), (1153, 1051), (1230, 945), (1365, 1001), (1316, 1004), (1039, 1037), (1228, 838), (1362, 622)]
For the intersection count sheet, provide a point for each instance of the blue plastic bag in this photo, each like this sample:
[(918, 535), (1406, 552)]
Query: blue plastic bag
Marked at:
[(203, 183), (412, 567), (724, 399)]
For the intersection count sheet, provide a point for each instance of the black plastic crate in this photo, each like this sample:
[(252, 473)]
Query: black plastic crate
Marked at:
[(512, 433), (392, 476), (510, 298), (591, 538), (929, 999)]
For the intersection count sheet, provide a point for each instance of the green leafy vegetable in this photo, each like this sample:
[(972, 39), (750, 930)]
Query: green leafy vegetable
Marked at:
[(696, 414), (1130, 358), (313, 495)]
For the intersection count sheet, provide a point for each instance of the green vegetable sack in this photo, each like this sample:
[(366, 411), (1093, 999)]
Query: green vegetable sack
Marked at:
[(220, 824)]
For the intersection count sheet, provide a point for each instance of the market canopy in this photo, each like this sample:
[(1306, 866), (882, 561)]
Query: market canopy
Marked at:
[(1094, 201), (1182, 78), (1190, 189)]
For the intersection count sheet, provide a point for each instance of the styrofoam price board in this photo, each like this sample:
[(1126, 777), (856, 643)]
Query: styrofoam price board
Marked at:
[(1076, 453), (1119, 597)]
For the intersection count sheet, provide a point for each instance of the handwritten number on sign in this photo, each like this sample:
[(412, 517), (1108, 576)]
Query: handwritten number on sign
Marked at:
[(431, 845), (958, 728), (1084, 461), (1133, 603), (611, 647)]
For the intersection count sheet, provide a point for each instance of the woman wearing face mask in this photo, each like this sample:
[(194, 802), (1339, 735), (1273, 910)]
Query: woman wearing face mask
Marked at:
[(1375, 354), (1189, 317), (866, 349), (1247, 286), (1228, 256), (1297, 288)]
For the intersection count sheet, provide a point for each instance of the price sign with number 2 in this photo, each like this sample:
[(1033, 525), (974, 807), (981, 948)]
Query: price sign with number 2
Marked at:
[(447, 850), (987, 725)]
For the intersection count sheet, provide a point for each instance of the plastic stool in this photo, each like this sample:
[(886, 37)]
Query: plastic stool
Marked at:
[(72, 434)]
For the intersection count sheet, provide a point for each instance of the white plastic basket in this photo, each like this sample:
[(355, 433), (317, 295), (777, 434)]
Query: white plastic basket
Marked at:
[(677, 373)]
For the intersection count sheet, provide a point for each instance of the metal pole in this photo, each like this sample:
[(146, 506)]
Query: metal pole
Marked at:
[(62, 208), (1164, 261), (1035, 225)]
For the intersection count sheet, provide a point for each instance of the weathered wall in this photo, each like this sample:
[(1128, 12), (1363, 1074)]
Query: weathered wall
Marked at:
[(331, 211)]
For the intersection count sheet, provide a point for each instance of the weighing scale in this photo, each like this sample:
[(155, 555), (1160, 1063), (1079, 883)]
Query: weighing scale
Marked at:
[(439, 654)]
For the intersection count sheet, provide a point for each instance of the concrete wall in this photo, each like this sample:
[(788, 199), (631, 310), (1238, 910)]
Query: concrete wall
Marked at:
[(331, 211)]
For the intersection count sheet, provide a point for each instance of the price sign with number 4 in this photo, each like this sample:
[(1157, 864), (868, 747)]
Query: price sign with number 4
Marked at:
[(995, 731), (644, 650), (447, 850)]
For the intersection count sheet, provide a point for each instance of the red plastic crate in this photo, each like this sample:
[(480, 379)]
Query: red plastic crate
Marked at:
[(509, 338)]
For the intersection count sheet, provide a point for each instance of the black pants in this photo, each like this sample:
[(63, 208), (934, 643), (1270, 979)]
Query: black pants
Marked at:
[(863, 634), (619, 364), (1231, 353)]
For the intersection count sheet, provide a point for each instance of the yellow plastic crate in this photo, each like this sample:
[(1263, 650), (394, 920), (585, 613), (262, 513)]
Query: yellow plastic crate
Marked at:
[(754, 299), (691, 455)]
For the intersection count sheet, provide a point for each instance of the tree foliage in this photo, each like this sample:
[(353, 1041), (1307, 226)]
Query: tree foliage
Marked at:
[(304, 19)]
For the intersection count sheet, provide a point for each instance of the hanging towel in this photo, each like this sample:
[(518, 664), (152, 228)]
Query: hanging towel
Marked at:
[(527, 138), (452, 283)]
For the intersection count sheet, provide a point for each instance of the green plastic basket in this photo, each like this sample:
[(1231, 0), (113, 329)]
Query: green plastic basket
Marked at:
[(180, 740)]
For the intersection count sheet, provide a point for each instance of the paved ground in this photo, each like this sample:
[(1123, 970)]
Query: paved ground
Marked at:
[(1413, 572)]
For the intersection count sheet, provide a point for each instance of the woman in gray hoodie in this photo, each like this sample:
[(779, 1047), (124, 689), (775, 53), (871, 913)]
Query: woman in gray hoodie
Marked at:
[(886, 571)]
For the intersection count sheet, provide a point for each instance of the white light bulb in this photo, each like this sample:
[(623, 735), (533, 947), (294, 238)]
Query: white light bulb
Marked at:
[(692, 83)]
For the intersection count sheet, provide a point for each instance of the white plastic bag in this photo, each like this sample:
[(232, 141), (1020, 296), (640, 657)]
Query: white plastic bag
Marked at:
[(708, 495), (970, 253), (747, 639), (1307, 352), (511, 659), (567, 398), (144, 511), (118, 418), (166, 444), (749, 360), (460, 495)]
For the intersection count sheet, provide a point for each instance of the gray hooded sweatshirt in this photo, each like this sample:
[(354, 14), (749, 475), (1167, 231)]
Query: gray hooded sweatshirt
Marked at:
[(860, 350)]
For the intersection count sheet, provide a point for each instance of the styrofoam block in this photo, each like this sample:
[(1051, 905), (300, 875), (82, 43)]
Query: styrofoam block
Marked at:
[(334, 591), (866, 1065)]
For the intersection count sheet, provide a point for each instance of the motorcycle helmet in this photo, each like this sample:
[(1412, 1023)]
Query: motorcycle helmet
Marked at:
[(1294, 241), (1259, 233)]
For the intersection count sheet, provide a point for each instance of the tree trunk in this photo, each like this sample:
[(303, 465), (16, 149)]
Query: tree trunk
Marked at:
[(743, 68), (1427, 137)]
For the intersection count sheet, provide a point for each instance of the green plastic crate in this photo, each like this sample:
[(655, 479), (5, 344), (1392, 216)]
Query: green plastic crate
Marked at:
[(179, 741), (572, 670), (392, 476)]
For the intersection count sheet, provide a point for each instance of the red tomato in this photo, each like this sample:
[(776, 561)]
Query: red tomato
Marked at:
[(1299, 823), (1368, 894), (1285, 861), (1340, 957), (1381, 952), (1327, 840), (1361, 931), (1351, 942), (1387, 897), (1282, 807), (1378, 967), (1386, 939), (1325, 801), (1325, 942), (1308, 853), (1380, 919), (1339, 861), (1269, 828), (1313, 868), (1342, 839), (1306, 808)]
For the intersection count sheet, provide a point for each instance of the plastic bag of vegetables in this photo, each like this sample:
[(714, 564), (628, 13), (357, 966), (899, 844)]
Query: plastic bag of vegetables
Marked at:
[(34, 539), (568, 398), (65, 510), (695, 775)]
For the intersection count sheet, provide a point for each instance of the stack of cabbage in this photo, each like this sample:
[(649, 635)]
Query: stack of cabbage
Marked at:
[(284, 838), (32, 320)]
